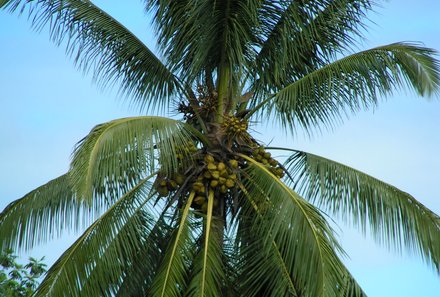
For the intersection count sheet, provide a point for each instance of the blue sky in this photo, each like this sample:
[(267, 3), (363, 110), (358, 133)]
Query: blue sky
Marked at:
[(47, 106)]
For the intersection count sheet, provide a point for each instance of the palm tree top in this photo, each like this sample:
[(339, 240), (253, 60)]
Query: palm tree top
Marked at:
[(200, 199)]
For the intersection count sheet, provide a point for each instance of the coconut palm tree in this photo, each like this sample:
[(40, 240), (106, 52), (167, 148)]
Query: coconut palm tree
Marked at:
[(196, 205)]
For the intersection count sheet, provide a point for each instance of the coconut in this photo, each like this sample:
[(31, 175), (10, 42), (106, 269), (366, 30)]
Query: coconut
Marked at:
[(207, 175), (180, 179), (212, 166), (221, 166), (163, 191), (209, 159), (215, 174), (213, 183), (172, 185), (233, 163), (199, 200), (229, 183)]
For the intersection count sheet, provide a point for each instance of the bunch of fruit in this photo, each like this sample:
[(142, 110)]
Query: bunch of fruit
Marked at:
[(234, 125), (185, 150), (261, 155), (217, 177), (205, 108), (165, 185), (211, 174)]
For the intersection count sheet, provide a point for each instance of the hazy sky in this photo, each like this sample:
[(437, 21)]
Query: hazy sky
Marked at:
[(47, 106)]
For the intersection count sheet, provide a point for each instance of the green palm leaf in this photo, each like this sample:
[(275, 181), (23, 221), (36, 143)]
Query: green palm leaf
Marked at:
[(207, 245), (260, 274), (230, 267), (137, 278), (394, 217), (350, 288), (206, 35), (133, 279), (99, 43), (207, 277), (43, 214), (171, 278), (277, 279), (275, 273), (307, 242), (115, 235), (222, 222), (318, 30), (354, 83), (116, 154)]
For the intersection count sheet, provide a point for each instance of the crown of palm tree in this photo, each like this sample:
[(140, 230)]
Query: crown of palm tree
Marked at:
[(198, 206)]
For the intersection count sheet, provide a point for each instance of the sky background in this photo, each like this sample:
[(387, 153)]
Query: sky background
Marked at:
[(46, 106)]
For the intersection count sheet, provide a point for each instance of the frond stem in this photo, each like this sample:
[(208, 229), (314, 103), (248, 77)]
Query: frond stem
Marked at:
[(207, 234), (179, 233)]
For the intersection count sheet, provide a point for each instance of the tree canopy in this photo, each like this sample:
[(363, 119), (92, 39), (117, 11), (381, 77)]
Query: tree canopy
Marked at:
[(197, 206), (17, 280)]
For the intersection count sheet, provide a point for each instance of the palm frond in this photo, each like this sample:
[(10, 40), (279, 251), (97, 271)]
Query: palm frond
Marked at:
[(137, 278), (394, 217), (207, 277), (231, 256), (99, 43), (307, 243), (206, 35), (354, 83), (276, 278), (104, 250), (298, 37), (43, 214), (171, 278), (260, 273), (248, 233), (350, 287), (116, 154)]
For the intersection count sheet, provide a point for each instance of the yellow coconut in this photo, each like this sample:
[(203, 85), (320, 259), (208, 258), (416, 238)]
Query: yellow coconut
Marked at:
[(229, 183)]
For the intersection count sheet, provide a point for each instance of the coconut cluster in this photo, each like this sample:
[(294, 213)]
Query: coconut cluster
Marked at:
[(216, 176), (189, 149), (167, 184), (261, 155), (205, 108), (212, 174), (209, 173), (233, 125)]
